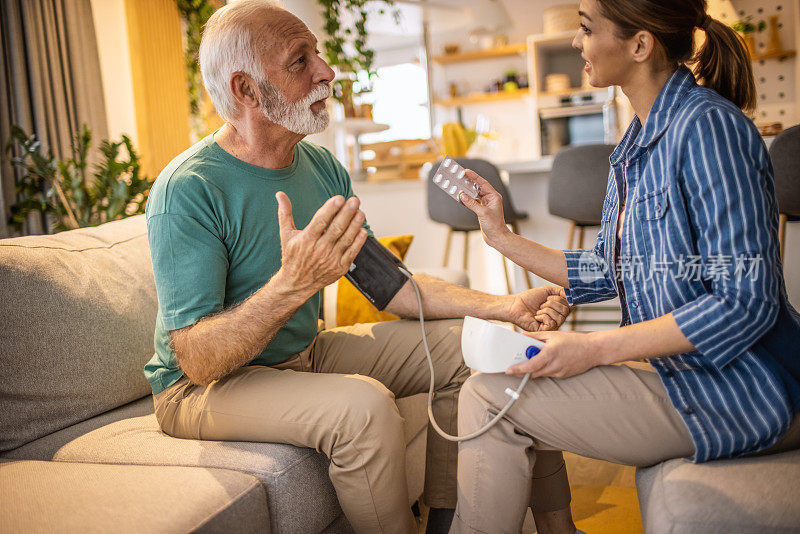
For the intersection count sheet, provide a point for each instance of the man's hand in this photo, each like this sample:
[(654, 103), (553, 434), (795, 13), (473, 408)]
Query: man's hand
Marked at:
[(565, 354), (323, 251), (541, 308)]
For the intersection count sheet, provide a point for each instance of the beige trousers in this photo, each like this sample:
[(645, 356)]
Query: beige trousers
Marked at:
[(618, 413), (337, 397)]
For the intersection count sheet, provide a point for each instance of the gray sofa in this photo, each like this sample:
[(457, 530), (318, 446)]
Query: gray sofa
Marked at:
[(80, 447)]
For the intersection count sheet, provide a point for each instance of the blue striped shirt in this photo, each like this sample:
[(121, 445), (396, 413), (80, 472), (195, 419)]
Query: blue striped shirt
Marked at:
[(700, 240)]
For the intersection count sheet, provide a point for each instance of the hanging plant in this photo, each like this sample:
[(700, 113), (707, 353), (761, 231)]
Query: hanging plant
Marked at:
[(195, 14), (346, 45)]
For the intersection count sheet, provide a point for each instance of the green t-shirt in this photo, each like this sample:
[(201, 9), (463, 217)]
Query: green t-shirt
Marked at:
[(212, 223)]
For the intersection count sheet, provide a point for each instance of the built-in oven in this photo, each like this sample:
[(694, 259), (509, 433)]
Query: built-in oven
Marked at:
[(581, 118)]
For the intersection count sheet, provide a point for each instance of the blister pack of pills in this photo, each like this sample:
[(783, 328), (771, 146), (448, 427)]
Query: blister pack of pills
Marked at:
[(451, 177)]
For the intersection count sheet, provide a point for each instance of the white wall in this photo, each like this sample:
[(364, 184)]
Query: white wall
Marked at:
[(115, 66)]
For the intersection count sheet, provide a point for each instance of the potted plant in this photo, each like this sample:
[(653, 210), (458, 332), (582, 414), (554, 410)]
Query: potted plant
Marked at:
[(747, 28), (65, 193)]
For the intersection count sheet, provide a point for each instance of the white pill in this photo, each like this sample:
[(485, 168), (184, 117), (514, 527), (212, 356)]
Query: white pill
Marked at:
[(446, 162), (461, 174), (445, 183), (438, 178), (453, 190)]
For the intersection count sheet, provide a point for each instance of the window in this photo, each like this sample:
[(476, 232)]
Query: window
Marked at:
[(400, 99)]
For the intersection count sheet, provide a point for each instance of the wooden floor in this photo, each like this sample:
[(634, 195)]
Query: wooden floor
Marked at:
[(603, 498)]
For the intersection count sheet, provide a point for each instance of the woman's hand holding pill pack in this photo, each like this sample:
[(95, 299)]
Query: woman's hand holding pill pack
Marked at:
[(451, 178), (475, 193)]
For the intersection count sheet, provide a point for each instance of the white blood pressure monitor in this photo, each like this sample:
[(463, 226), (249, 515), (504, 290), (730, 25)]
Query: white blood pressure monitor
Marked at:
[(491, 348)]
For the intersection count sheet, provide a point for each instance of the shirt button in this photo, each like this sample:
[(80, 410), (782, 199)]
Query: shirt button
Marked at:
[(688, 411), (658, 207), (635, 304)]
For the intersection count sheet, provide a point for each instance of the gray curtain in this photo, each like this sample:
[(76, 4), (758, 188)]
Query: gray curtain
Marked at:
[(50, 83)]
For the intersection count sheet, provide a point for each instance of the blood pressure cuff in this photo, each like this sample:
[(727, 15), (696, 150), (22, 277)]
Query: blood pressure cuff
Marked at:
[(375, 273)]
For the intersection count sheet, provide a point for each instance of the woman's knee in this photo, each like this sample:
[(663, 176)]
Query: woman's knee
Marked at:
[(488, 389), (473, 407)]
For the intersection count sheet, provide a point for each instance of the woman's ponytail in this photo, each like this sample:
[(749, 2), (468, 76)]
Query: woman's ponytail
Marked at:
[(723, 64)]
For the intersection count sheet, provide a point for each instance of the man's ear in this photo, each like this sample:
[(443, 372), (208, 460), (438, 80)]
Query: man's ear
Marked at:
[(643, 46), (244, 89)]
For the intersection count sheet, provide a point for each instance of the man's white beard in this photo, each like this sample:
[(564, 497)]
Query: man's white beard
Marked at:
[(297, 117)]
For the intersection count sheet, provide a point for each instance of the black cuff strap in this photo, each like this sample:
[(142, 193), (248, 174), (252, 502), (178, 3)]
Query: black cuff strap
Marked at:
[(375, 273)]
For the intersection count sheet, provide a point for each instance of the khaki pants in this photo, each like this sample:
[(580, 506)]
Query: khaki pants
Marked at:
[(618, 413), (337, 397)]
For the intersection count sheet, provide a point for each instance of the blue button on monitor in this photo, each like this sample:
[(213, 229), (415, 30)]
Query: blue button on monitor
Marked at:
[(531, 351)]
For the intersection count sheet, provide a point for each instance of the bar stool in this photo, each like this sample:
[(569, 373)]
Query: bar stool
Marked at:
[(458, 218), (785, 154), (576, 191)]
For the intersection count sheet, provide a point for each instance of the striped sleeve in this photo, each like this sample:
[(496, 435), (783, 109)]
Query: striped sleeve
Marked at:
[(725, 176), (589, 277)]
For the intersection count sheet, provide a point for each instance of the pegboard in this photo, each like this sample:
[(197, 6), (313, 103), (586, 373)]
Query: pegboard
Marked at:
[(776, 81)]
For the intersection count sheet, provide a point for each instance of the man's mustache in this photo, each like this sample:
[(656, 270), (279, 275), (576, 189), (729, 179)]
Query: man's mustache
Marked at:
[(319, 92)]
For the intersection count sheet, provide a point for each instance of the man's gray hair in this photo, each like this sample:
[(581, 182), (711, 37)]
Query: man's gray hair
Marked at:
[(230, 45)]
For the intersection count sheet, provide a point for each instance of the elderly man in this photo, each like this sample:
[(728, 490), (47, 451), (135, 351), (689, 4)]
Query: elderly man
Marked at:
[(238, 352)]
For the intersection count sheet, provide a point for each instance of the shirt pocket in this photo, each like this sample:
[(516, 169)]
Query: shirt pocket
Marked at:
[(651, 212), (653, 206)]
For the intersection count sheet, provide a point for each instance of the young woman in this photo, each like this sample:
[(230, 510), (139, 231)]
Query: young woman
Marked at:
[(689, 244)]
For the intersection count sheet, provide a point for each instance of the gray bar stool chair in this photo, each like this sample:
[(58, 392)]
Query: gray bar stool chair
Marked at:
[(785, 154), (458, 218), (576, 191)]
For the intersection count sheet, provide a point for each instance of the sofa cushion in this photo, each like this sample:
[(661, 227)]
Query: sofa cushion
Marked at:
[(78, 314), (67, 497), (759, 494), (131, 435)]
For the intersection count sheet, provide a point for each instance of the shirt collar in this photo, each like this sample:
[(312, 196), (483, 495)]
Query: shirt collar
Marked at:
[(660, 115)]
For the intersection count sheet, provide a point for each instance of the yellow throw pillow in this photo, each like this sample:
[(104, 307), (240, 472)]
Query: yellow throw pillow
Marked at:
[(351, 306)]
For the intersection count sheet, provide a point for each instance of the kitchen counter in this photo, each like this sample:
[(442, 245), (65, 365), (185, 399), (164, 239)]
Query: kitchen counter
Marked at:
[(527, 166)]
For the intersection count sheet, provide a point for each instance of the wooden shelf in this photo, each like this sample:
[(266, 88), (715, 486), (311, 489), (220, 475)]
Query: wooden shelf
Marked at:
[(502, 51), (483, 98), (780, 55)]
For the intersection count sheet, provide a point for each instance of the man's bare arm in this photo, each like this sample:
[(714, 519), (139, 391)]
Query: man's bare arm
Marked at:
[(219, 344), (311, 259), (440, 300)]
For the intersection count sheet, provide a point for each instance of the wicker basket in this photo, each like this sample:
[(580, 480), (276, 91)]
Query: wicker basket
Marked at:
[(562, 18)]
